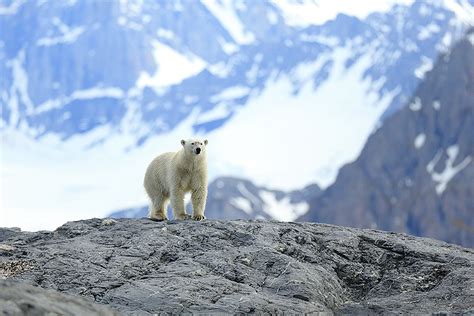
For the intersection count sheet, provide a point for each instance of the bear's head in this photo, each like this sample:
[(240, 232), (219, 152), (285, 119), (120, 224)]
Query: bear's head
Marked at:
[(194, 146)]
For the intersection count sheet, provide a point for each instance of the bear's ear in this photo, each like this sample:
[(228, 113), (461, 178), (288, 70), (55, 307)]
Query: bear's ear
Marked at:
[(183, 142), (205, 142)]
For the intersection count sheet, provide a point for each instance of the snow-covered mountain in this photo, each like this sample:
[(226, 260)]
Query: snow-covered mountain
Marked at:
[(91, 91)]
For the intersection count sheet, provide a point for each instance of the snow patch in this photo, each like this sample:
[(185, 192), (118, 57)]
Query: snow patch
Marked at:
[(326, 40), (282, 210), (146, 19), (252, 74), (428, 31), (12, 8), (436, 105), (189, 99), (242, 204), (446, 41), (424, 10), (227, 47), (70, 36), (231, 93), (19, 88), (305, 72), (94, 93), (411, 46), (66, 116), (463, 10), (225, 12), (419, 140), (220, 111), (86, 94), (246, 193), (442, 178), (470, 38), (430, 166), (20, 81), (272, 17), (415, 105), (166, 34), (425, 66), (221, 69), (172, 67)]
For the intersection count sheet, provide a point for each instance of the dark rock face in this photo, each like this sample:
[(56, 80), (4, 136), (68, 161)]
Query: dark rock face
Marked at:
[(235, 198), (22, 299), (415, 174), (146, 267)]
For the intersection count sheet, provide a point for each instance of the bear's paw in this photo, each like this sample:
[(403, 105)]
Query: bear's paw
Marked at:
[(199, 217)]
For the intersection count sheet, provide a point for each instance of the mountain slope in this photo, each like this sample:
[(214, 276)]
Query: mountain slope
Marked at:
[(415, 173)]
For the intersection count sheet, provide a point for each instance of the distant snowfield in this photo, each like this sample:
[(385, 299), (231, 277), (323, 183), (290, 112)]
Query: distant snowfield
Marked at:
[(308, 12), (278, 139), (286, 141)]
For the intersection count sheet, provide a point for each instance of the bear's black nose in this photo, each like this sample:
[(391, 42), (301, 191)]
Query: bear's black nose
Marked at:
[(198, 151)]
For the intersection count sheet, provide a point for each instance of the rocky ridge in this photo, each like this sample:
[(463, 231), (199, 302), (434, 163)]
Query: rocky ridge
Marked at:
[(144, 267)]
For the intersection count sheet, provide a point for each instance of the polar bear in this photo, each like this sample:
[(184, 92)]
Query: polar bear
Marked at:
[(172, 175)]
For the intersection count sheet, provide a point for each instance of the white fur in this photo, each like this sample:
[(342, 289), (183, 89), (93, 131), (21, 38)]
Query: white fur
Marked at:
[(171, 175)]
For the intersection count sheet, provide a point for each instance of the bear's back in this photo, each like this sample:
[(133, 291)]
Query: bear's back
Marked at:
[(158, 169)]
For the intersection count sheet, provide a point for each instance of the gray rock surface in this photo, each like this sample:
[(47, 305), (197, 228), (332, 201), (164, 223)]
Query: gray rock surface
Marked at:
[(145, 267), (22, 299)]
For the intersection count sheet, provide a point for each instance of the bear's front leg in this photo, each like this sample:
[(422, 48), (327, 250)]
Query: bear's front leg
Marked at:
[(177, 203), (198, 199)]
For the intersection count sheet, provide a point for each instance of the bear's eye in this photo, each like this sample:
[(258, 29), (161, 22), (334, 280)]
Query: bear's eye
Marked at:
[(192, 144)]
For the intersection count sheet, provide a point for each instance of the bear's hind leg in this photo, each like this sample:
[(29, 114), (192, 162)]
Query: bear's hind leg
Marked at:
[(158, 208)]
